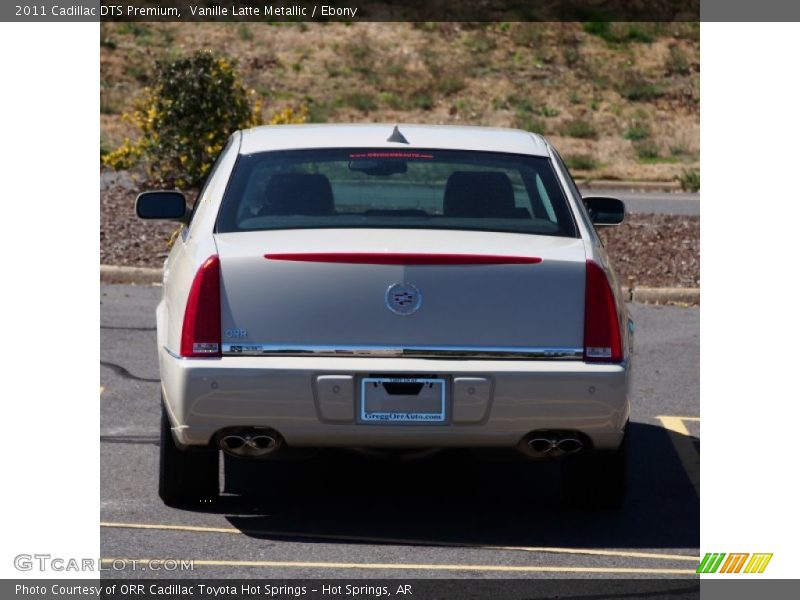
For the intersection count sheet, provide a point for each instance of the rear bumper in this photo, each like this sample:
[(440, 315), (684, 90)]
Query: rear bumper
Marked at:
[(312, 401)]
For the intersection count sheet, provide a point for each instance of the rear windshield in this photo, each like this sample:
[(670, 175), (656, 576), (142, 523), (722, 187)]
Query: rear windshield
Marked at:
[(379, 188)]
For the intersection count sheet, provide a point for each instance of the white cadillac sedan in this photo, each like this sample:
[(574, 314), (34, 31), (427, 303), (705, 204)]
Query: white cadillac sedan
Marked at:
[(394, 288)]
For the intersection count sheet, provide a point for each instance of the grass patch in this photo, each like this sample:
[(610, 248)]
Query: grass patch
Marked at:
[(659, 160), (450, 83), (391, 100), (689, 180), (361, 57), (637, 88), (363, 101), (480, 43), (578, 128), (319, 112), (105, 148), (572, 55), (619, 33), (527, 34), (677, 62), (109, 105), (680, 149), (581, 162), (647, 150), (526, 116), (244, 33), (137, 72), (529, 122), (142, 33), (637, 131), (446, 79)]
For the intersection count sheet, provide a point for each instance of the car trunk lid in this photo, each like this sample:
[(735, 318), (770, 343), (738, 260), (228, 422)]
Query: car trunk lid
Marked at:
[(401, 292)]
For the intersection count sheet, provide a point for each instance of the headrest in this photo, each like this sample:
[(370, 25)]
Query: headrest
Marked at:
[(298, 194), (479, 194)]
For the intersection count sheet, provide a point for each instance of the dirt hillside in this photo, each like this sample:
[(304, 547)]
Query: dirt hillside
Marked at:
[(620, 101)]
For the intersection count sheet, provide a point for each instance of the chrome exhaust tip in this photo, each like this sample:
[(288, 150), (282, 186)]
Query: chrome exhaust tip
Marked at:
[(551, 444), (542, 445), (253, 444), (570, 445)]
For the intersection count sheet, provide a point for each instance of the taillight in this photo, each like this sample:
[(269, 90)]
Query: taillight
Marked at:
[(201, 335), (602, 341)]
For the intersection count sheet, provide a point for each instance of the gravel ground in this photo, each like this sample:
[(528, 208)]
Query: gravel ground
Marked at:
[(655, 250), (647, 250)]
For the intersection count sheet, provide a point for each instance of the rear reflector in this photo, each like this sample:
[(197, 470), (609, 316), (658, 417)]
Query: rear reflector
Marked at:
[(404, 258), (602, 341), (201, 335)]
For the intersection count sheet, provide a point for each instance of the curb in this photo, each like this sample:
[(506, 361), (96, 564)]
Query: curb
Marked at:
[(666, 295), (630, 186), (646, 295), (130, 275)]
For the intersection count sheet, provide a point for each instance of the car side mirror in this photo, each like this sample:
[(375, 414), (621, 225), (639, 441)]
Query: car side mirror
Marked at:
[(163, 205), (604, 210)]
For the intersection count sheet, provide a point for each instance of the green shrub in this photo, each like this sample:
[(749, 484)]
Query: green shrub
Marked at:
[(689, 180), (579, 129), (423, 101), (185, 117)]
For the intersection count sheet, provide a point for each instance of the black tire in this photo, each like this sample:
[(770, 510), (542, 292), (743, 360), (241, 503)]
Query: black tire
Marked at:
[(186, 476), (596, 480)]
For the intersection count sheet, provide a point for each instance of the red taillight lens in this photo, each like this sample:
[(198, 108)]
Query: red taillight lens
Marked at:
[(201, 335), (602, 341)]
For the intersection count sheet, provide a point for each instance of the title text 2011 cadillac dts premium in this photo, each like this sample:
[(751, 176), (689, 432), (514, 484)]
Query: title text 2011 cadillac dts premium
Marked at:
[(391, 287)]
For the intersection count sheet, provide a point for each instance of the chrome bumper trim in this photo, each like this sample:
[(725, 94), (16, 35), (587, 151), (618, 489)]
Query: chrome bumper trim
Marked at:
[(467, 352)]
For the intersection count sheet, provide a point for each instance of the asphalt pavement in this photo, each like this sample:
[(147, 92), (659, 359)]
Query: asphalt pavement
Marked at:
[(658, 203), (456, 515)]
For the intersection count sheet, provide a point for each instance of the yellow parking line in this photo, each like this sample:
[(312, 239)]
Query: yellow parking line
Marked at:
[(696, 419), (410, 542), (102, 389), (681, 440), (410, 567)]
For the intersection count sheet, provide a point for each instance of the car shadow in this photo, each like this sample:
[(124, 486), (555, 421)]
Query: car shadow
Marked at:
[(459, 498)]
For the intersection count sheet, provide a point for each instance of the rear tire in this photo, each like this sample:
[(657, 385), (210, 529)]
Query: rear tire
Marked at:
[(186, 476), (596, 480)]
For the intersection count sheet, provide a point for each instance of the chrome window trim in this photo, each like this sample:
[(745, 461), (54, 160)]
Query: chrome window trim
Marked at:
[(468, 352)]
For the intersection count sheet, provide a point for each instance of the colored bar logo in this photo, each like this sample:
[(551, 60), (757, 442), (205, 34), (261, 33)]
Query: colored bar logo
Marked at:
[(734, 563)]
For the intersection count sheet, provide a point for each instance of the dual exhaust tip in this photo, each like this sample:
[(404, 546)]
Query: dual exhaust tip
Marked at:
[(254, 443), (551, 445)]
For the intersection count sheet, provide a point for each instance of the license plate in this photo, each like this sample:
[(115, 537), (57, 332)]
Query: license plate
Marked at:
[(403, 400)]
